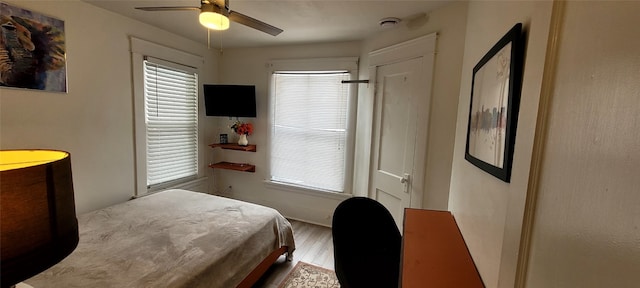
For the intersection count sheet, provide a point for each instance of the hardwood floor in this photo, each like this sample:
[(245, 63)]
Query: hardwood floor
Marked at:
[(314, 245)]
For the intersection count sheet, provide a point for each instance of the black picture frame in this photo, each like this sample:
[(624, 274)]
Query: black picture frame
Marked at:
[(223, 139), (494, 105)]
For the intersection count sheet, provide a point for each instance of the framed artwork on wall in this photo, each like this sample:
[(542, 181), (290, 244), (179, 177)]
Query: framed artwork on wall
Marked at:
[(32, 50), (495, 100)]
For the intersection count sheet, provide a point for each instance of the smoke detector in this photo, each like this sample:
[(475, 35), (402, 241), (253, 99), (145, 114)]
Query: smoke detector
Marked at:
[(389, 22)]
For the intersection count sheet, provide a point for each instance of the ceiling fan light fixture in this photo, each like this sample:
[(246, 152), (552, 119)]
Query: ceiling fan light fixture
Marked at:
[(214, 17)]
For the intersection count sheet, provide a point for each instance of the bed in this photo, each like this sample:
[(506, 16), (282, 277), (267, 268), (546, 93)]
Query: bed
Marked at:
[(174, 238)]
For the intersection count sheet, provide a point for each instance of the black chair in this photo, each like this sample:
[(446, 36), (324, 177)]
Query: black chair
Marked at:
[(366, 244)]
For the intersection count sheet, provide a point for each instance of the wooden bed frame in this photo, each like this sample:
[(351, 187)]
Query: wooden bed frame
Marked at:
[(259, 271)]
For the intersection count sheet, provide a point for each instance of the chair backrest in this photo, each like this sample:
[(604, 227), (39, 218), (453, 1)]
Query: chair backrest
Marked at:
[(366, 244)]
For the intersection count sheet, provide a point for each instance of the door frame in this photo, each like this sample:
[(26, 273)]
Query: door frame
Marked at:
[(423, 47)]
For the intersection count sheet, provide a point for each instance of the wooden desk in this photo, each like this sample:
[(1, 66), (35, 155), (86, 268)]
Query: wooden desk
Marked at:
[(434, 253)]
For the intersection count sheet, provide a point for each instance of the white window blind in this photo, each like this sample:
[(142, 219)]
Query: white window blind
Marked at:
[(309, 129), (171, 118)]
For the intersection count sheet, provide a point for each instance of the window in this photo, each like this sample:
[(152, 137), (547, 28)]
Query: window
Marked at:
[(166, 118), (310, 140), (171, 118)]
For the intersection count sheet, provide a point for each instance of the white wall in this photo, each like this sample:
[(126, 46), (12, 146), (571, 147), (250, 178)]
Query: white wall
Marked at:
[(587, 222), (488, 211), (450, 24), (247, 66), (585, 231), (94, 120)]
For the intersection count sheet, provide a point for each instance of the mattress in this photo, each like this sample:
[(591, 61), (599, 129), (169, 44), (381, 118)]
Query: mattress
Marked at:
[(174, 238)]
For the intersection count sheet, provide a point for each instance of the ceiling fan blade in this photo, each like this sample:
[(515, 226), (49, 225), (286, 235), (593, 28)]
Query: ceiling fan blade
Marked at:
[(167, 8), (254, 23)]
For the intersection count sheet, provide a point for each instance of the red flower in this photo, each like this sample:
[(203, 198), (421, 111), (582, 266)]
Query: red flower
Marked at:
[(242, 128)]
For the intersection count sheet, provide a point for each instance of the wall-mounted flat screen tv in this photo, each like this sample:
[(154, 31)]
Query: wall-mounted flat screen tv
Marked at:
[(230, 100)]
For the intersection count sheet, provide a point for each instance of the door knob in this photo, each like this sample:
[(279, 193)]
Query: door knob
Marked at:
[(405, 179)]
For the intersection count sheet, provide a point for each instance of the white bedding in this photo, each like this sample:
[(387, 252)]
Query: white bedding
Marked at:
[(174, 238)]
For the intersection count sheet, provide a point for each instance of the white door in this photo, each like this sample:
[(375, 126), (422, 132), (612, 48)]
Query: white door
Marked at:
[(397, 104)]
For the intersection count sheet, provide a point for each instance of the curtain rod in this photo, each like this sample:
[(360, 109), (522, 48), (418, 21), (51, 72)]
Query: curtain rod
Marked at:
[(354, 81)]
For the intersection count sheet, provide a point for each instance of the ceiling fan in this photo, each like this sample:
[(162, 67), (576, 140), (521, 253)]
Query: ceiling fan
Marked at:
[(215, 14)]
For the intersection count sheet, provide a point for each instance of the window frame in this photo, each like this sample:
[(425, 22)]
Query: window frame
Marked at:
[(349, 64), (139, 50)]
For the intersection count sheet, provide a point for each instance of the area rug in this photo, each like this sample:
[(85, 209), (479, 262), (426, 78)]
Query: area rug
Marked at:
[(305, 275)]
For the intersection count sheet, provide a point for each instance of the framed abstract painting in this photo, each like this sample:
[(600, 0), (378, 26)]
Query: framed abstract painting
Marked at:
[(495, 100), (32, 50)]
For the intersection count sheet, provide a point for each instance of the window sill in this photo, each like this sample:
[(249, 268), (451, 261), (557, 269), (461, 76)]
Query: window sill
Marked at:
[(307, 191), (182, 183)]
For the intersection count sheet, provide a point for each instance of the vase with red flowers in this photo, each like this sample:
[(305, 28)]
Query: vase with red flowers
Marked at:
[(243, 129)]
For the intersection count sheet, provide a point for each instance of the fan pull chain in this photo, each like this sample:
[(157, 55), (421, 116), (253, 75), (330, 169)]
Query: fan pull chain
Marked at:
[(221, 38), (209, 40), (221, 43)]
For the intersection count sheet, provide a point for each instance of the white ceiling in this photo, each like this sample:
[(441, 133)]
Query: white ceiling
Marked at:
[(303, 21)]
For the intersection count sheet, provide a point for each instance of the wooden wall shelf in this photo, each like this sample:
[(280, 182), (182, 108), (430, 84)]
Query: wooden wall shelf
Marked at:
[(234, 166), (233, 146)]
